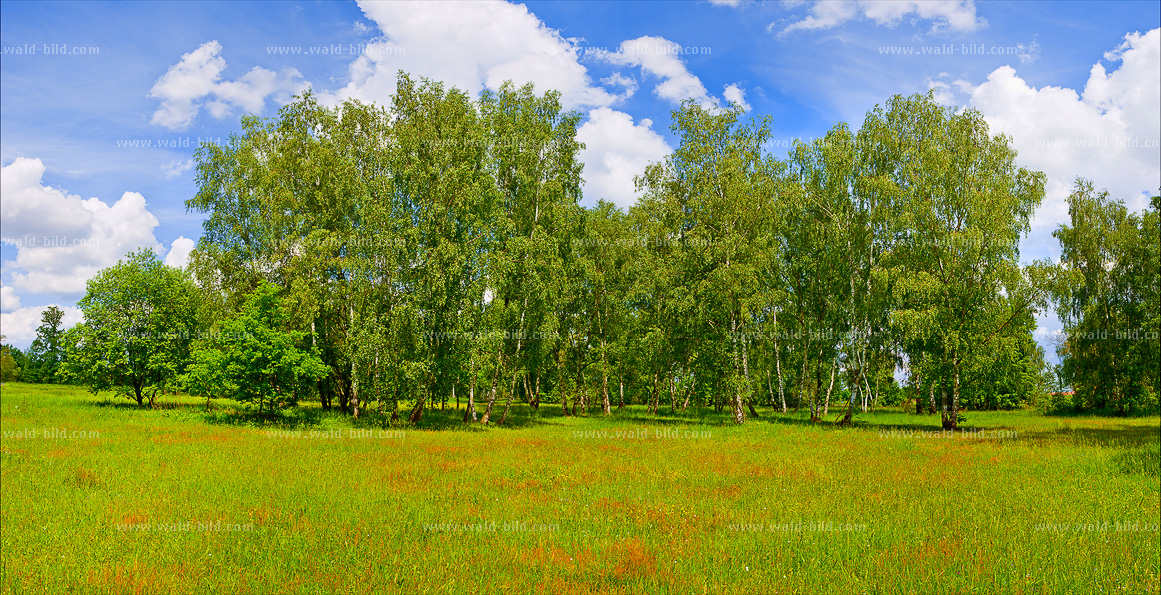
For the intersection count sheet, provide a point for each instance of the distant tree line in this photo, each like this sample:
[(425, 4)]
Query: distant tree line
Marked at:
[(41, 363), (383, 261)]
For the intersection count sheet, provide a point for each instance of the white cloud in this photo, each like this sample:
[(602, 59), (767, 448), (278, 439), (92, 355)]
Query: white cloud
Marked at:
[(469, 45), (60, 246), (616, 150), (19, 326), (946, 92), (1028, 52), (619, 80), (1109, 133), (179, 252), (478, 45), (737, 95), (31, 212), (661, 58), (196, 80), (175, 168), (8, 300), (731, 3), (957, 15), (824, 15)]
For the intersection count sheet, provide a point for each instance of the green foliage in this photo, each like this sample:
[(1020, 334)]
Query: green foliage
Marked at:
[(251, 357), (435, 247), (140, 318), (1107, 286), (10, 363), (48, 349)]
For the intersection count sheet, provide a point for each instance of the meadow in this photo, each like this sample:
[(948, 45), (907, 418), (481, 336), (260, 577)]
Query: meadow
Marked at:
[(100, 496)]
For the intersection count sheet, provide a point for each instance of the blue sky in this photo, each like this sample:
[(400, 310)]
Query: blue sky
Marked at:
[(102, 104)]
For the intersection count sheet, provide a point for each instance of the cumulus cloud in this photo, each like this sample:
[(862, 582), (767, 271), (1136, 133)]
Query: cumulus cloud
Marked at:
[(179, 251), (736, 95), (470, 45), (955, 15), (616, 150), (1108, 133), (661, 58), (19, 326), (31, 211), (8, 300), (62, 240), (479, 45), (196, 82)]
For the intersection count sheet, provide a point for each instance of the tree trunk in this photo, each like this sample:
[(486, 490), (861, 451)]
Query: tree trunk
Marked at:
[(816, 398), (749, 388), (801, 385), (508, 403), (778, 363), (953, 420), (846, 420), (829, 388), (355, 372), (417, 410), (739, 412), (605, 408), (689, 392), (770, 389), (470, 411), (653, 397), (560, 383), (492, 392), (931, 398), (943, 404)]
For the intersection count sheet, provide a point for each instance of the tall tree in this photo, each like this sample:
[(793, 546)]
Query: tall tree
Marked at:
[(965, 205), (1107, 296), (713, 196)]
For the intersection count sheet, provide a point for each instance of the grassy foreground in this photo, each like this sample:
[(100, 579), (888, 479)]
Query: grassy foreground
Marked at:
[(98, 496)]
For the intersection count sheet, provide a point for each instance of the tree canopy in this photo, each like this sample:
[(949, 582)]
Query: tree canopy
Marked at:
[(388, 259)]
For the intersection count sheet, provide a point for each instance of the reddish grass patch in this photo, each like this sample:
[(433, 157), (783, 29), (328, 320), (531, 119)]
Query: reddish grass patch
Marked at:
[(633, 559)]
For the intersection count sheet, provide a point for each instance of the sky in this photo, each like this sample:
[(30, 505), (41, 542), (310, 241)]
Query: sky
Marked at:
[(102, 105)]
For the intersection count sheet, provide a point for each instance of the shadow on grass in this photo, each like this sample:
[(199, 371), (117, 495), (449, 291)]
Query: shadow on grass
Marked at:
[(306, 417), (452, 419), (1119, 436), (131, 405), (309, 415)]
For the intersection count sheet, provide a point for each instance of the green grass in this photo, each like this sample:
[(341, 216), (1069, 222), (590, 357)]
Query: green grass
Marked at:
[(678, 504)]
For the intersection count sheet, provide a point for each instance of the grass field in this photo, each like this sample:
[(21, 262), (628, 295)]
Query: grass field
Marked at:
[(99, 496)]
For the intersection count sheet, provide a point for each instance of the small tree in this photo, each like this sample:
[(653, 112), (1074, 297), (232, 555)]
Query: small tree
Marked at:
[(140, 318), (9, 367), (253, 358), (47, 350)]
